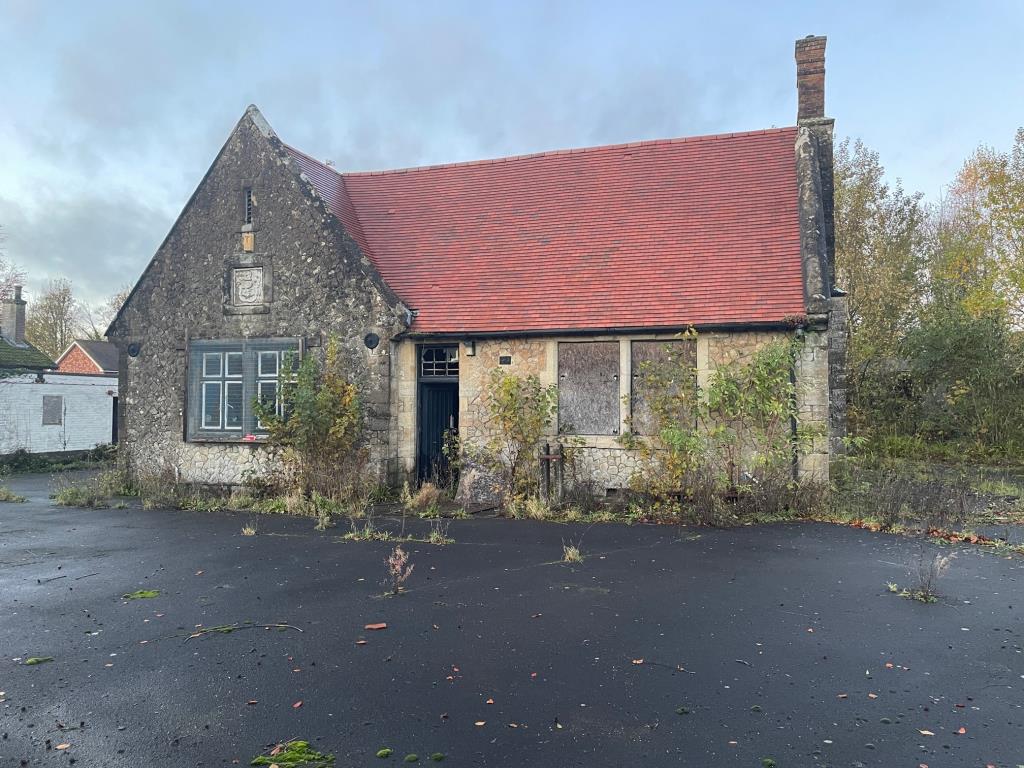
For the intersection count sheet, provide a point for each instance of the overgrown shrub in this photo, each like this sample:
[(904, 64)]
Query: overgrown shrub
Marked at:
[(425, 502), (318, 432), (519, 411), (723, 454)]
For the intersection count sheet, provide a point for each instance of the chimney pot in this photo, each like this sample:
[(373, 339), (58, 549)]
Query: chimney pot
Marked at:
[(810, 77)]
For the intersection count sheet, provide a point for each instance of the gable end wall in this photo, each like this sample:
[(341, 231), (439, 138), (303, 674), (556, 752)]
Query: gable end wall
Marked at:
[(322, 286)]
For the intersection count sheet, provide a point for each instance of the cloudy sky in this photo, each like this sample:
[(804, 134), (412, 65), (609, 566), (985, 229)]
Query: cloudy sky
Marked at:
[(110, 113)]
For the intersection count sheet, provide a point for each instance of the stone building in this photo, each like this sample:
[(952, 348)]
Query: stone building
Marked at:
[(573, 265)]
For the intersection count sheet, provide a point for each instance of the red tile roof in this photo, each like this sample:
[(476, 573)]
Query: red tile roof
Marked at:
[(656, 234)]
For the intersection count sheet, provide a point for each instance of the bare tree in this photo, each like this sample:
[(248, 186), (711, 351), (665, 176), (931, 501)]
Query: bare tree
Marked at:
[(10, 274), (94, 320)]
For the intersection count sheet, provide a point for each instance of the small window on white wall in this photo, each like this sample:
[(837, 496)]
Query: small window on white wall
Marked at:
[(53, 410)]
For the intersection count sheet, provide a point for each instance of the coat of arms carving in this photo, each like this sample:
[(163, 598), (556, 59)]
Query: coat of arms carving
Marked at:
[(247, 286)]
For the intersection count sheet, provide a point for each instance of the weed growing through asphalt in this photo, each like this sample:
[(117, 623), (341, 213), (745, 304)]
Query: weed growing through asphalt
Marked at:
[(294, 754), (571, 552), (250, 529), (6, 494), (399, 569), (366, 532), (34, 660), (384, 752), (141, 594), (439, 533), (927, 570)]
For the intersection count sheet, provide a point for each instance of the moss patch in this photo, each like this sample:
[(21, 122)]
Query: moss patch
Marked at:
[(294, 754)]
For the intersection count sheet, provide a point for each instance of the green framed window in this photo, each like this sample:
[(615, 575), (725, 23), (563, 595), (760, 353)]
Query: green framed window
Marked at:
[(225, 377)]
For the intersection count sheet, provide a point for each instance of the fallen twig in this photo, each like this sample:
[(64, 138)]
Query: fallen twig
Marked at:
[(46, 581), (673, 667), (225, 629), (79, 578)]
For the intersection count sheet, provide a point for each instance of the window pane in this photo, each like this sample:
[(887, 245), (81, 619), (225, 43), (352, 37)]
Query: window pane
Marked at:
[(439, 361), (233, 405), (211, 405), (233, 364), (268, 364), (211, 365)]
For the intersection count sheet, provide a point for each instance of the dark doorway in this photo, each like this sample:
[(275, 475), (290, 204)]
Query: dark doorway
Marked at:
[(438, 410), (113, 424), (439, 414)]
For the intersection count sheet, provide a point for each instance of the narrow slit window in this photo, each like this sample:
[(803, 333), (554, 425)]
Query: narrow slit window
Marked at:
[(249, 201)]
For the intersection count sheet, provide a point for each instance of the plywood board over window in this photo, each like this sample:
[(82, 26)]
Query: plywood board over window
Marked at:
[(588, 388), (53, 410), (656, 359)]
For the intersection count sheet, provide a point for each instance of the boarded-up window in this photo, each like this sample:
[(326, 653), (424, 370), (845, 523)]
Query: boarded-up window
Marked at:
[(664, 367), (588, 388), (53, 410)]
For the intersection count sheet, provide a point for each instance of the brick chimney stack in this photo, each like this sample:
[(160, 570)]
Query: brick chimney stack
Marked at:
[(12, 317), (810, 77)]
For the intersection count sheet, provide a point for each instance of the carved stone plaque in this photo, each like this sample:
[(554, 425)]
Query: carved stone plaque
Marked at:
[(247, 286)]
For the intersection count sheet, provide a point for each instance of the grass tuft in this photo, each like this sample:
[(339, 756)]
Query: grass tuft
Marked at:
[(6, 494)]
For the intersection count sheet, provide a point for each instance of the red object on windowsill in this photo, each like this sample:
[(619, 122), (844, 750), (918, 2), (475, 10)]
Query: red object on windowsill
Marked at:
[(250, 438)]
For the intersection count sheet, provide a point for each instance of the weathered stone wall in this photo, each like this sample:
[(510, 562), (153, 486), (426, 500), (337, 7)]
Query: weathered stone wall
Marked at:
[(322, 285), (601, 458), (838, 341)]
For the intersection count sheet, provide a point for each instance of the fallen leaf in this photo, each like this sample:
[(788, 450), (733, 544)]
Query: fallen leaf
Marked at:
[(63, 746), (533, 674), (277, 750), (638, 661), (926, 733), (489, 701), (513, 725), (297, 704), (536, 615), (480, 723), (373, 627), (360, 642), (961, 730), (251, 702), (842, 696), (888, 665), (199, 573), (872, 695)]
